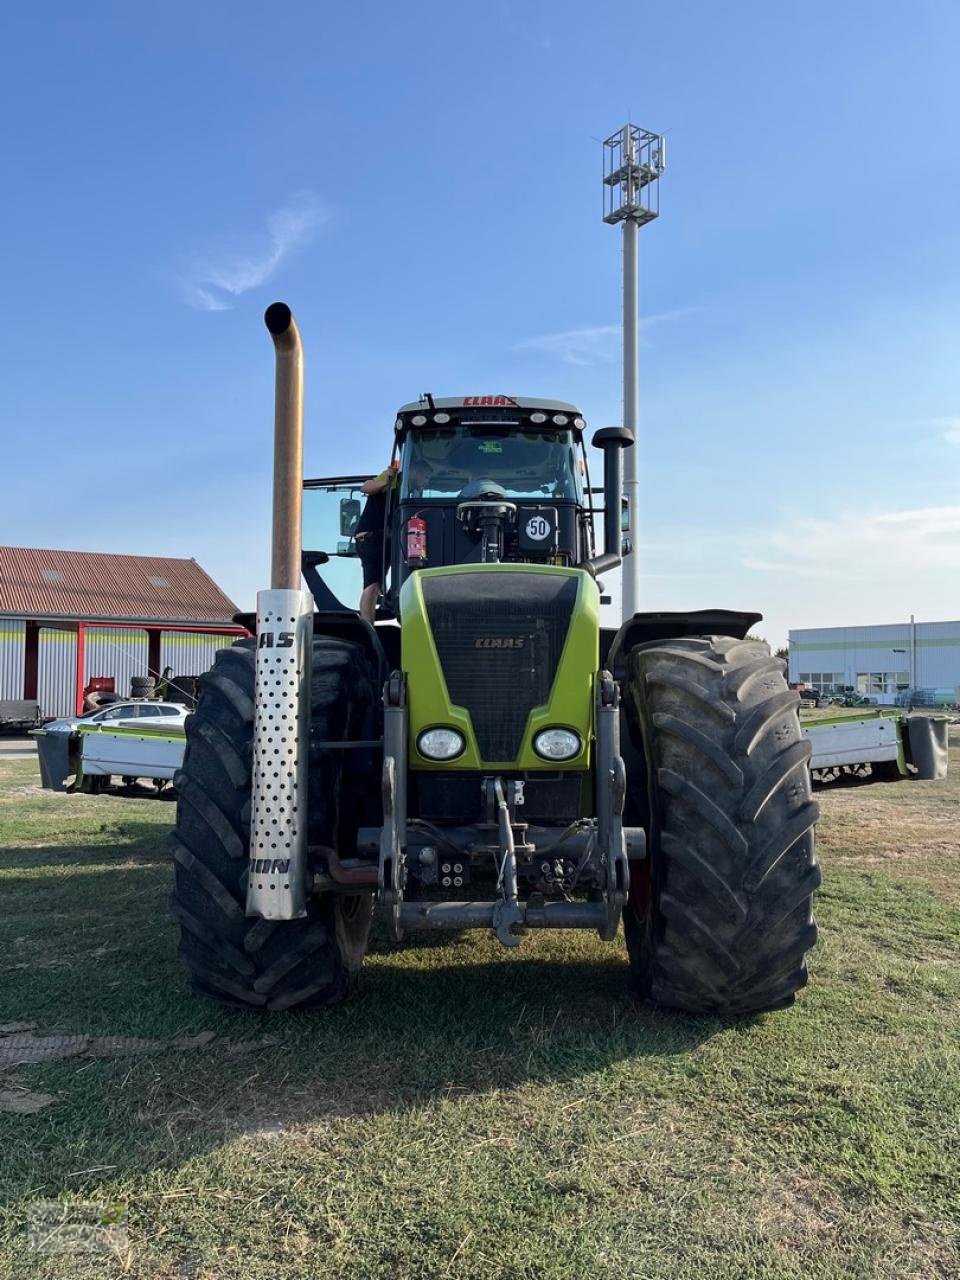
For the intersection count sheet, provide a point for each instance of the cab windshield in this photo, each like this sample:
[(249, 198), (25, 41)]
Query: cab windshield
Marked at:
[(524, 464)]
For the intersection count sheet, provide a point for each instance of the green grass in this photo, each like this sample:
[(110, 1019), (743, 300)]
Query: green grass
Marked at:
[(482, 1114)]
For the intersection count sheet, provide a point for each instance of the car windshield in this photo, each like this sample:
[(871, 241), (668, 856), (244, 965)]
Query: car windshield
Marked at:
[(524, 464)]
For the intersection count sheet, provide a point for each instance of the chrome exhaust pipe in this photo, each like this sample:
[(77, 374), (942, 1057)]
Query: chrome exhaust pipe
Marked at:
[(277, 882)]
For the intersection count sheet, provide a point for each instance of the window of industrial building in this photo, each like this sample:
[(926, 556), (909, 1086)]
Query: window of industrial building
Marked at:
[(882, 681), (823, 681)]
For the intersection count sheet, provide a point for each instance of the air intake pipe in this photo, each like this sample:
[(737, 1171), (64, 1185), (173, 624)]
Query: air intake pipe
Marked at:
[(612, 441)]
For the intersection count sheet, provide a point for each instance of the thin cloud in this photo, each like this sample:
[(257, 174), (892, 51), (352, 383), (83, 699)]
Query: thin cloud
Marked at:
[(575, 346), (948, 429), (860, 545), (215, 278), (596, 344), (202, 299)]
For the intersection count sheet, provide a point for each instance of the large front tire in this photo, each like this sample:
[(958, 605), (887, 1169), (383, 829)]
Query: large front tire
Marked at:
[(720, 919), (255, 963)]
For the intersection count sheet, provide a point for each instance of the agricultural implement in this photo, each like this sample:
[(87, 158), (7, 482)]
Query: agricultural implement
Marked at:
[(882, 745)]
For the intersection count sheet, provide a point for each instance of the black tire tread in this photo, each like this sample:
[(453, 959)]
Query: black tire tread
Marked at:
[(733, 868), (253, 963)]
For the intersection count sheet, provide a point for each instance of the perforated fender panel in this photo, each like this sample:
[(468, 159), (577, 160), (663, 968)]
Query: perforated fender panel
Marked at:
[(276, 888)]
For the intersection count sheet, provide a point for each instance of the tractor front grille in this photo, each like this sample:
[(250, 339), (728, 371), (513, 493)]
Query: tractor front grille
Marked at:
[(549, 799), (499, 637)]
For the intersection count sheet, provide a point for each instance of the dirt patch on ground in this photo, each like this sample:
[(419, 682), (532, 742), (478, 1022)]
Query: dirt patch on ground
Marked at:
[(18, 1100), (21, 1047), (798, 1212), (299, 1111)]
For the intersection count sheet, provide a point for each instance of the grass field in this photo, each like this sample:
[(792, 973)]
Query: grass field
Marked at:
[(474, 1113)]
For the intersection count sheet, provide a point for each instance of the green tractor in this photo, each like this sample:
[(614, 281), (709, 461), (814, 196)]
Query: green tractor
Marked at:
[(486, 755)]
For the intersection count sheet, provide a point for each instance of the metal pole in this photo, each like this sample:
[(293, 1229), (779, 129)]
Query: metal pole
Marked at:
[(81, 665), (633, 162), (631, 482), (287, 449), (913, 653)]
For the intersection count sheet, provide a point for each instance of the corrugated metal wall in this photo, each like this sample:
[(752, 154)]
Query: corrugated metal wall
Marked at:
[(190, 653), (938, 655), (57, 672), (109, 651), (11, 658)]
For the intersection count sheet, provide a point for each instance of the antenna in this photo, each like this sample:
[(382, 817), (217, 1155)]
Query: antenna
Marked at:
[(633, 160)]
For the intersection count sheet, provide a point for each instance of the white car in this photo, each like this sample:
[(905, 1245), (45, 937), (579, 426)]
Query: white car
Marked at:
[(126, 715)]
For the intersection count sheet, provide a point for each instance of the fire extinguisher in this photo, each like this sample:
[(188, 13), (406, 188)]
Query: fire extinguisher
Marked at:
[(416, 539)]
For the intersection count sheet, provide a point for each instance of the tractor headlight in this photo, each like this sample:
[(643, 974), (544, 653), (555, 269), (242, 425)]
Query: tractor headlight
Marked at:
[(557, 744), (441, 744)]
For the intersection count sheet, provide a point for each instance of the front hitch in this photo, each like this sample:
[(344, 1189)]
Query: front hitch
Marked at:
[(393, 833), (507, 913), (611, 797)]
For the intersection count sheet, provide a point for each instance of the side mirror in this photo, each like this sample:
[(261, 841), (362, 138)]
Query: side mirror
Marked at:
[(349, 515)]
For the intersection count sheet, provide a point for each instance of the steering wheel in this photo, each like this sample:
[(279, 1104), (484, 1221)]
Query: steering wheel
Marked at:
[(483, 490)]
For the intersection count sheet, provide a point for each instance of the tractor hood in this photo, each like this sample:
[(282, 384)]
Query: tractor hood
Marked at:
[(500, 652)]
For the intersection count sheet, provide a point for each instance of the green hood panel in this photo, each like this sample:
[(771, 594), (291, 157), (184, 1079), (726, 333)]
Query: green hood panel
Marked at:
[(506, 681)]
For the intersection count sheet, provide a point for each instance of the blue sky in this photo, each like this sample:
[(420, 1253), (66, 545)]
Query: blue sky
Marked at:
[(421, 183)]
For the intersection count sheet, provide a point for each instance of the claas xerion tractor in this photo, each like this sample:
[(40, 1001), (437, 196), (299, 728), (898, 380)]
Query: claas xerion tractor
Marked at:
[(486, 755)]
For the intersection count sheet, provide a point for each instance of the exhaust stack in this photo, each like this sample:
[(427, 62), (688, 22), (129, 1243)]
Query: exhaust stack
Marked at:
[(287, 448), (612, 441), (277, 882)]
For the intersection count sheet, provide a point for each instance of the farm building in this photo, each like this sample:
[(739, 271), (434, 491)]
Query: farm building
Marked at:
[(69, 616), (884, 662)]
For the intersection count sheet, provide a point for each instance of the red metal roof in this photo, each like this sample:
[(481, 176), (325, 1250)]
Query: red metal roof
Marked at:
[(86, 585)]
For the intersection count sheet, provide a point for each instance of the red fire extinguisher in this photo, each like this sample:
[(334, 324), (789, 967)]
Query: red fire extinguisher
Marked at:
[(416, 539)]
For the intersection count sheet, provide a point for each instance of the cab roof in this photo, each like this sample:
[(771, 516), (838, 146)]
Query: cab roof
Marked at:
[(519, 403)]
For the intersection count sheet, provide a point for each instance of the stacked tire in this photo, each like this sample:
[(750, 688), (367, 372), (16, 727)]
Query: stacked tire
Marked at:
[(254, 963), (142, 686), (720, 914), (183, 690)]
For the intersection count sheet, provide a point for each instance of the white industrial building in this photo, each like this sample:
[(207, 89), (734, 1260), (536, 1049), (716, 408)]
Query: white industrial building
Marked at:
[(885, 663)]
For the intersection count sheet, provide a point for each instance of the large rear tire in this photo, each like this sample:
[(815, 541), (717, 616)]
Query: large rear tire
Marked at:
[(720, 918), (255, 963)]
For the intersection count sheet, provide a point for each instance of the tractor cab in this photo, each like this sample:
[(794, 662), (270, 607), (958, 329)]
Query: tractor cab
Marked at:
[(477, 479)]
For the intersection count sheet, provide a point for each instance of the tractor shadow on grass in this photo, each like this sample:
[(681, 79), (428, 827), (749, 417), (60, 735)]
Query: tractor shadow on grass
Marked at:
[(437, 1019), (485, 1037), (450, 1019)]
